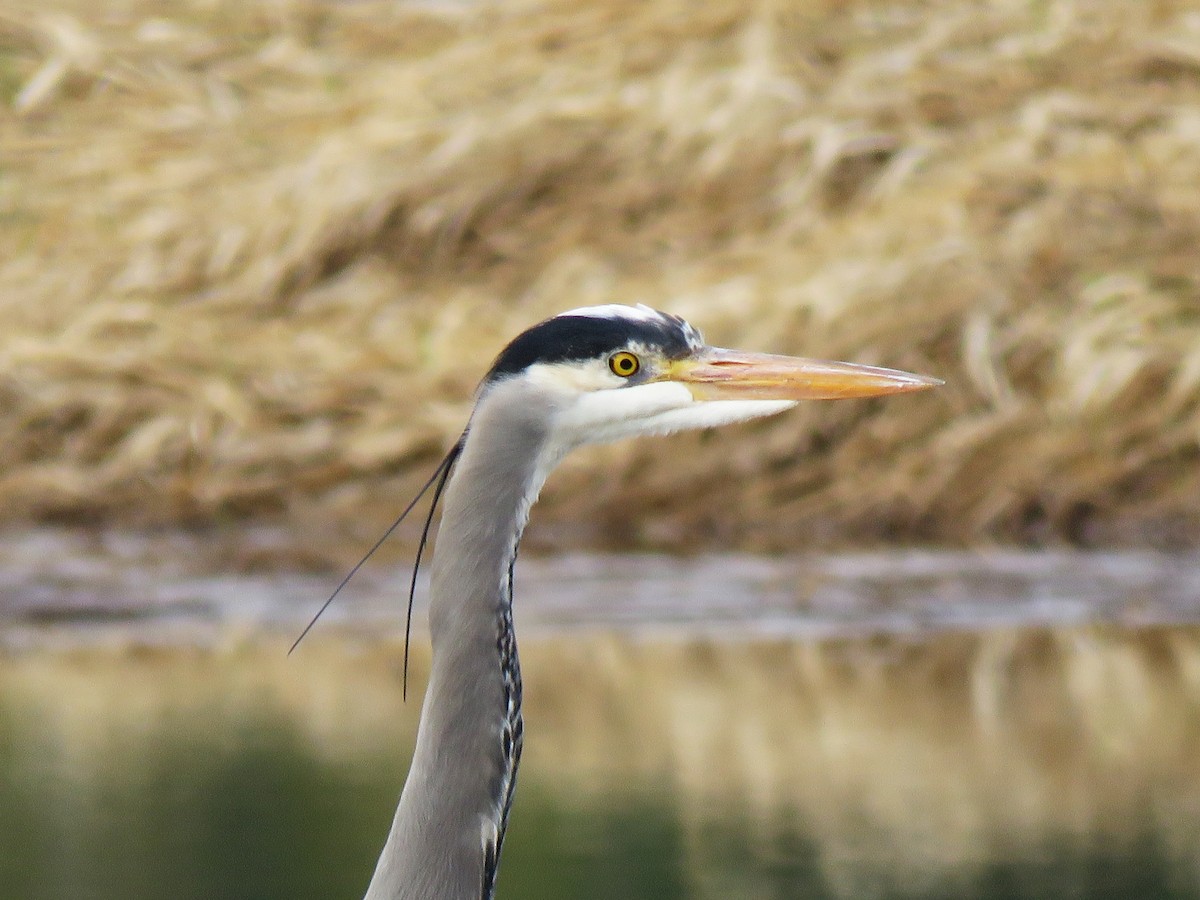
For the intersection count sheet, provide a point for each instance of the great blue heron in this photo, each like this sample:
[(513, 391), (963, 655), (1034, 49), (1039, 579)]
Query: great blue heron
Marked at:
[(586, 376)]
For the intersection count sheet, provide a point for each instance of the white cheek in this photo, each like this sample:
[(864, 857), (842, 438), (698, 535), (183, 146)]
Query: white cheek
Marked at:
[(571, 378), (658, 408), (608, 415), (712, 414)]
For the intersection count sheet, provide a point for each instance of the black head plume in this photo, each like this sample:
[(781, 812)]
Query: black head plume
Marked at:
[(439, 478)]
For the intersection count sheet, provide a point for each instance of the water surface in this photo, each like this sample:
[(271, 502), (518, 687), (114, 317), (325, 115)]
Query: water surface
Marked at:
[(911, 726)]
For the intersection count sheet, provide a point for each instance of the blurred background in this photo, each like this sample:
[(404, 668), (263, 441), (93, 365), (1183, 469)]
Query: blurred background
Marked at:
[(254, 258)]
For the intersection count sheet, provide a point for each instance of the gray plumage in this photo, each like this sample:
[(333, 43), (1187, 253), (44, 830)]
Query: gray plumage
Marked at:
[(454, 806)]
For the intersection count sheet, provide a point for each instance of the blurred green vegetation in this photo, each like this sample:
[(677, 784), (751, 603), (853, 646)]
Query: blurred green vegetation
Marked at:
[(857, 769)]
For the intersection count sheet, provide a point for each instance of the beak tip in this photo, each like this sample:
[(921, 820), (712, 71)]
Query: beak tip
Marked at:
[(921, 382), (897, 382)]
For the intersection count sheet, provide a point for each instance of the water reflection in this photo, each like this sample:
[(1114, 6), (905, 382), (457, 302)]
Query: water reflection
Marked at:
[(1024, 763), (184, 816)]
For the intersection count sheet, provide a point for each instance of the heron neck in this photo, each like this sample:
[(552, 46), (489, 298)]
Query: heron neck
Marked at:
[(449, 827)]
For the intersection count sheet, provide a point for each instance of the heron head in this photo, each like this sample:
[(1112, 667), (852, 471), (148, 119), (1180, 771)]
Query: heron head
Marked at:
[(600, 373), (608, 372)]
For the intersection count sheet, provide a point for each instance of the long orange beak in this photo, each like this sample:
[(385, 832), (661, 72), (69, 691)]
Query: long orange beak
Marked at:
[(718, 374)]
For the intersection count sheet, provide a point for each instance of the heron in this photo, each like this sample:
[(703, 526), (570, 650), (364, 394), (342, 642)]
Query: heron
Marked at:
[(589, 375)]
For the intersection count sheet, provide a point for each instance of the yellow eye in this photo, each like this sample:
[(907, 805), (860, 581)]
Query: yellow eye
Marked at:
[(624, 364)]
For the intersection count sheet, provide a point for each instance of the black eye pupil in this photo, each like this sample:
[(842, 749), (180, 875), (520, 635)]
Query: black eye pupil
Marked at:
[(624, 364)]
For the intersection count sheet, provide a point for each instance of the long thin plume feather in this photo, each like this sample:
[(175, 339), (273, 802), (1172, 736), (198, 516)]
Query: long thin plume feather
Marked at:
[(442, 472)]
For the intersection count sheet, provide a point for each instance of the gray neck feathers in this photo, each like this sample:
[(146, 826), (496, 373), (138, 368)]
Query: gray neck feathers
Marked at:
[(447, 833)]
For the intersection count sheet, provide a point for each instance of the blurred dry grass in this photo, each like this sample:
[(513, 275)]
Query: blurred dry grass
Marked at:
[(255, 256), (941, 755)]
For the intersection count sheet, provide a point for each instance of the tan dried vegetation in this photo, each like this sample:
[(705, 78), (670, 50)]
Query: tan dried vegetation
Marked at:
[(255, 256)]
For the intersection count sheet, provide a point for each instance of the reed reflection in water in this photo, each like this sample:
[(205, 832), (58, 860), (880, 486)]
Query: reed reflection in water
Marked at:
[(1023, 763)]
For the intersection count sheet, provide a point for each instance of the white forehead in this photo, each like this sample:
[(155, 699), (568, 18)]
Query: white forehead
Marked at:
[(639, 313)]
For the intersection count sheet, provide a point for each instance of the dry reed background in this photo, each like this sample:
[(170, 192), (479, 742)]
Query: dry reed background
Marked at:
[(255, 256)]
